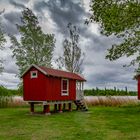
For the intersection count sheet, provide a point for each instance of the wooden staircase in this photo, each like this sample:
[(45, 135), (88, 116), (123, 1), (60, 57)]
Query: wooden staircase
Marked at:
[(81, 105)]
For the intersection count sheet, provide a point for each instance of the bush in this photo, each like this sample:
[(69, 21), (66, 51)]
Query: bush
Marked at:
[(9, 92), (6, 96)]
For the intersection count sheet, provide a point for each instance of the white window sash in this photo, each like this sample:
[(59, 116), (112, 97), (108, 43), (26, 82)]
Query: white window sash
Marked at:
[(34, 76), (65, 92)]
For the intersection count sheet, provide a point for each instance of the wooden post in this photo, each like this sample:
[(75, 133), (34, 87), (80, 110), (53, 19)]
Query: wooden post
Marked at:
[(70, 108), (46, 109), (60, 108), (55, 107), (32, 107), (64, 106)]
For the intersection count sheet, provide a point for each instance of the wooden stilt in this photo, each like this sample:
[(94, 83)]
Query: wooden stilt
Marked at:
[(32, 108), (70, 108), (46, 109), (60, 108), (64, 106), (55, 107)]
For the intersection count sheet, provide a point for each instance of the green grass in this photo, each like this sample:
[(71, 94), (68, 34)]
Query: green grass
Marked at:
[(99, 123)]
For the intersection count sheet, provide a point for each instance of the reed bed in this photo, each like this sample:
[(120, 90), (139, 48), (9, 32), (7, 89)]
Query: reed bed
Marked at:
[(11, 101), (17, 101), (111, 100)]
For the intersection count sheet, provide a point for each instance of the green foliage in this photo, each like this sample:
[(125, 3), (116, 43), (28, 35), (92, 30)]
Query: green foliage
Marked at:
[(33, 47), (4, 101), (6, 96), (122, 19), (20, 89), (2, 39), (109, 92), (73, 57), (8, 92)]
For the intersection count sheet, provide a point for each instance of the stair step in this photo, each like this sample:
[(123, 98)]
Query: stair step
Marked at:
[(81, 105)]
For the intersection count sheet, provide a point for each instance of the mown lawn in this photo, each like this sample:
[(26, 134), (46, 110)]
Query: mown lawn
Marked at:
[(99, 123)]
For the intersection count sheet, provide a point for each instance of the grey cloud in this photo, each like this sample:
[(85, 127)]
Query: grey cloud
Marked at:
[(97, 43), (62, 12), (114, 77), (17, 4), (13, 17), (39, 6), (10, 67), (9, 62), (9, 80), (9, 22)]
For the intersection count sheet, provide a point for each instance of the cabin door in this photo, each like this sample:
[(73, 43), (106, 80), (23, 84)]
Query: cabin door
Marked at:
[(79, 90)]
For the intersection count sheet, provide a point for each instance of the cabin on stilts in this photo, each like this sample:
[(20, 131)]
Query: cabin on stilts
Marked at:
[(53, 87), (137, 77)]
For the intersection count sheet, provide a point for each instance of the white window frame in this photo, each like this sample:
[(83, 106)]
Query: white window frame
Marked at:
[(79, 85), (67, 90), (32, 75)]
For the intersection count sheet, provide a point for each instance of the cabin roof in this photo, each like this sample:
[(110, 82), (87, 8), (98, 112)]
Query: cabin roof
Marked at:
[(56, 73), (137, 76)]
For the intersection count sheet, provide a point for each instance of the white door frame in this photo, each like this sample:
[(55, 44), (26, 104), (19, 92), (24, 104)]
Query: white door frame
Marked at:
[(79, 90)]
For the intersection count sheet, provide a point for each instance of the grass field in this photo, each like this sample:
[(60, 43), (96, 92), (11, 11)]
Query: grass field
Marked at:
[(99, 123)]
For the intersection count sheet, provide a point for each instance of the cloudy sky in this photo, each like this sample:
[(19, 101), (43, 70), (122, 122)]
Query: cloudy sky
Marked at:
[(54, 15)]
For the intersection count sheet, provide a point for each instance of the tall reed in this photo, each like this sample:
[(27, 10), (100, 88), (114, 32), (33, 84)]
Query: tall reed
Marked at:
[(111, 100)]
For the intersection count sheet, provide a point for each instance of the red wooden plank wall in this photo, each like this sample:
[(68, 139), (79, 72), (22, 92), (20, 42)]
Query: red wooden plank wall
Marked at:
[(34, 88), (46, 88), (139, 88), (54, 89)]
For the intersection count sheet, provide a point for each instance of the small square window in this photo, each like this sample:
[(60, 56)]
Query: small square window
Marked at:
[(33, 74)]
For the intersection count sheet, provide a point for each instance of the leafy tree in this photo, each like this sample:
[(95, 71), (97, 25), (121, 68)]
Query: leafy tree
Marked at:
[(2, 41), (33, 47), (2, 38), (73, 57), (121, 18)]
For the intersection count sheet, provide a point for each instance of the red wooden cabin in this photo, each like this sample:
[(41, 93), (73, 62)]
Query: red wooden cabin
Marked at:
[(51, 86), (138, 79)]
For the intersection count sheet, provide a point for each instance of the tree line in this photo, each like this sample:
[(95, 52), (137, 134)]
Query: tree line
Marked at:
[(4, 92), (109, 92)]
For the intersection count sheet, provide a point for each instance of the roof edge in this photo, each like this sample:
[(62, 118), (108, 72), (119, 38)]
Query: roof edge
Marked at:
[(136, 76), (33, 65), (81, 77), (45, 73)]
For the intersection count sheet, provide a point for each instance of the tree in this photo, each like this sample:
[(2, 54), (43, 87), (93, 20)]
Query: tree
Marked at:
[(33, 47), (121, 18), (73, 57), (2, 42)]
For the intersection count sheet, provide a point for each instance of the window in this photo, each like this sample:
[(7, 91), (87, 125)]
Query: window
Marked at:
[(65, 87), (33, 74), (79, 86)]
